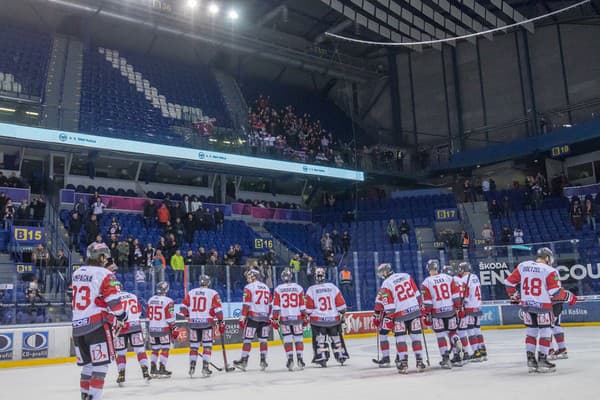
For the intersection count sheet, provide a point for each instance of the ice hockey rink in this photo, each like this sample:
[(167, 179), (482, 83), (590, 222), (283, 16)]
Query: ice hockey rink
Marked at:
[(503, 376)]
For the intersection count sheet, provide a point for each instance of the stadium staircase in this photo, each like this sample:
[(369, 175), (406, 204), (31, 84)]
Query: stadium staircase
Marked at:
[(234, 99), (476, 215), (283, 251)]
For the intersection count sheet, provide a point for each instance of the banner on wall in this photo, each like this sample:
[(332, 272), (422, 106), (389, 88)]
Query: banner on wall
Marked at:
[(34, 345), (6, 346), (446, 214), (27, 234)]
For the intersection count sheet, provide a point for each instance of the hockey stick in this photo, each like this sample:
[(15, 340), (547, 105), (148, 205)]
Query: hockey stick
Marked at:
[(376, 360), (226, 364), (216, 367), (425, 345)]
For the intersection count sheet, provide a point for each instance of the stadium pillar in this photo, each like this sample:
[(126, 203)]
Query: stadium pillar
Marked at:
[(395, 95), (458, 100)]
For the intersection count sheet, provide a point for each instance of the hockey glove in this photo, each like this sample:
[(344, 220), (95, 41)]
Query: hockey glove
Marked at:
[(221, 327), (572, 299), (242, 323), (274, 323)]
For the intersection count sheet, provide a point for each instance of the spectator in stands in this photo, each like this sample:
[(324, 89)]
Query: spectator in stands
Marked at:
[(114, 228), (195, 203), (9, 214), (41, 260), (23, 214), (518, 235), (186, 205), (336, 241), (201, 257), (392, 231), (485, 186), (208, 220), (506, 235), (60, 264), (177, 265), (219, 218), (123, 257), (33, 292), (74, 231), (589, 210), (162, 245), (3, 180), (168, 229), (295, 263), (346, 285), (94, 198), (159, 265), (465, 241), (178, 229), (39, 209), (81, 208), (91, 229), (176, 211), (577, 215), (148, 255), (14, 181), (487, 234), (537, 195), (506, 206), (189, 263), (136, 255), (172, 247), (189, 228), (238, 254), (150, 214), (98, 209), (326, 245), (229, 257), (468, 191), (495, 209), (114, 252), (346, 240), (163, 215), (199, 217), (266, 273), (404, 231)]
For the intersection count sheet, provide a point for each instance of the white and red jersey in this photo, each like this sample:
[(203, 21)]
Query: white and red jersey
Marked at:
[(288, 303), (202, 306), (325, 304), (257, 302), (441, 295), (471, 293), (161, 315), (133, 308), (95, 294), (539, 283), (399, 297)]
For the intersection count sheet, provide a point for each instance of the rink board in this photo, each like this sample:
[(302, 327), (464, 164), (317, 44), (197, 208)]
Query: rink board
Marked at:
[(27, 345)]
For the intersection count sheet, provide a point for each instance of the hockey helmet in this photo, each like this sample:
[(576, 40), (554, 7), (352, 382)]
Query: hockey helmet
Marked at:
[(320, 275), (162, 288), (463, 267), (204, 281), (98, 252), (448, 270), (433, 265), (287, 275), (252, 274), (546, 254), (384, 270)]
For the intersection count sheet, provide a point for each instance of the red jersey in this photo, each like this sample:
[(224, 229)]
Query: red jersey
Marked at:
[(288, 303), (399, 297), (325, 304), (441, 295), (133, 308), (202, 306), (538, 282), (95, 293), (257, 302), (161, 315)]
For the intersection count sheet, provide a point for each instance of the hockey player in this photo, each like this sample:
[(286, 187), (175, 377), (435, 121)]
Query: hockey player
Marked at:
[(441, 302), (161, 328), (203, 308), (289, 313), (254, 320), (97, 308), (385, 325), (326, 307), (131, 334), (469, 325), (400, 299), (558, 333), (539, 285)]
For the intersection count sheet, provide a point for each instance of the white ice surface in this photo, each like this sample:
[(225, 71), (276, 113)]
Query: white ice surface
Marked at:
[(503, 376)]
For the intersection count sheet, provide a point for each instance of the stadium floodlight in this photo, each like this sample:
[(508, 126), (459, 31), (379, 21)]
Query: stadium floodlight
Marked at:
[(233, 15), (192, 4), (213, 9)]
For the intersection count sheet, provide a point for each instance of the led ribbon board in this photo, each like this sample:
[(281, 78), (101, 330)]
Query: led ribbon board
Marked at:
[(183, 153)]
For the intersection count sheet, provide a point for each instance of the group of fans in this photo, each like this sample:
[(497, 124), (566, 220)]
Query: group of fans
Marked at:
[(106, 320)]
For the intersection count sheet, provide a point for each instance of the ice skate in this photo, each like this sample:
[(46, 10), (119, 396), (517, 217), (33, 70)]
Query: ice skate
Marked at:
[(545, 366), (560, 354), (153, 370), (301, 364), (145, 374), (445, 363), (384, 362), (532, 363), (163, 372), (241, 364), (121, 378), (192, 369), (206, 372), (402, 365), (263, 363), (290, 364), (420, 365), (456, 360)]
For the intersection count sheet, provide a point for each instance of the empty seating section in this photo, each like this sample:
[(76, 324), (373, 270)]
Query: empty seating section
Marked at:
[(304, 102), (133, 226), (23, 60), (115, 101)]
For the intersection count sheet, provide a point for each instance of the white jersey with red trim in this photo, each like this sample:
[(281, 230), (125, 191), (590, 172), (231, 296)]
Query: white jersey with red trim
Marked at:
[(288, 303), (399, 297), (325, 304), (161, 315), (441, 295), (95, 294), (471, 293), (203, 307), (257, 301), (539, 282), (133, 308)]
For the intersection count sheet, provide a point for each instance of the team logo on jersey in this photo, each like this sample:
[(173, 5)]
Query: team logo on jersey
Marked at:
[(6, 346), (99, 352), (35, 345)]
